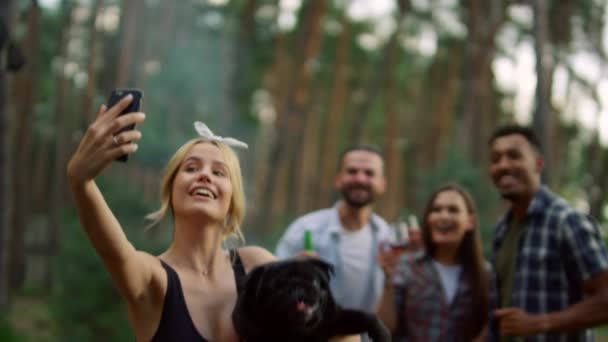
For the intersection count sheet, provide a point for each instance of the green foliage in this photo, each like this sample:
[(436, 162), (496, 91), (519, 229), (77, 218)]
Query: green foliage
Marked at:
[(85, 304), (269, 239), (46, 81), (7, 333), (184, 90)]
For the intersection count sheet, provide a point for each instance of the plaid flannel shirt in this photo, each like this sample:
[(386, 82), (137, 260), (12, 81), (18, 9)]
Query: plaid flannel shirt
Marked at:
[(559, 250), (422, 310)]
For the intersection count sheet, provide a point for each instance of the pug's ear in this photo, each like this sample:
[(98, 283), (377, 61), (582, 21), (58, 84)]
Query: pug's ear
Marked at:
[(326, 268)]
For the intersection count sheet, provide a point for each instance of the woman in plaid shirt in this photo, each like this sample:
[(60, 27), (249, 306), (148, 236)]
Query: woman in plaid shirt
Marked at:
[(440, 294)]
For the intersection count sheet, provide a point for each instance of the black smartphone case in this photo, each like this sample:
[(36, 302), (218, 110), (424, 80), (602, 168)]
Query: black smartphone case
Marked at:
[(134, 106)]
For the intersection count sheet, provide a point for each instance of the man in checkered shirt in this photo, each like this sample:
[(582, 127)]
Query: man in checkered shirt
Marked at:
[(550, 279)]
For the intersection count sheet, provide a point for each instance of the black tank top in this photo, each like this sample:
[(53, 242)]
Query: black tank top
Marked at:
[(175, 321)]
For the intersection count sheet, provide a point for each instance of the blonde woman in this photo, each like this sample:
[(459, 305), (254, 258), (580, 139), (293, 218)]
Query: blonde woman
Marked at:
[(188, 292)]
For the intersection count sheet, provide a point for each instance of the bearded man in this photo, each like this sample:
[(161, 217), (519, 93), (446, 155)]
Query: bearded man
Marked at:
[(348, 234)]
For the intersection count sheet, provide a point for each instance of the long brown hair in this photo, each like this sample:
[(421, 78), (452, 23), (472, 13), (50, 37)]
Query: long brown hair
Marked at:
[(470, 256)]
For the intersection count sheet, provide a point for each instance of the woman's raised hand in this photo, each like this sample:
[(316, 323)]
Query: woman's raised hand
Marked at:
[(100, 146), (388, 258)]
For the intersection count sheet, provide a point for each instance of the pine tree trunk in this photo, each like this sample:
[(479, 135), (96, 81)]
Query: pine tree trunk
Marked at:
[(7, 8), (239, 76), (389, 204), (25, 95), (333, 122), (143, 45), (445, 77), (290, 113), (129, 18), (298, 100), (374, 72), (598, 199), (89, 96), (275, 80), (484, 18), (543, 118), (166, 29), (306, 170), (41, 177), (594, 182), (63, 129)]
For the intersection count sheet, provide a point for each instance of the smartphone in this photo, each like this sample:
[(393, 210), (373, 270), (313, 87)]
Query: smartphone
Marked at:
[(134, 106)]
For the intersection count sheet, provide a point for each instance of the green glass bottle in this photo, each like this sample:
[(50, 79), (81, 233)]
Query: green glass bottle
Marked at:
[(308, 245)]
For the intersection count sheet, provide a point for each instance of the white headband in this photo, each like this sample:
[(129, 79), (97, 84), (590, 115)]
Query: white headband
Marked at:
[(206, 133)]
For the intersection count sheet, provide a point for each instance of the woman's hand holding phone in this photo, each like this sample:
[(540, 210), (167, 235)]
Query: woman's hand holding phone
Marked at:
[(134, 106), (100, 144)]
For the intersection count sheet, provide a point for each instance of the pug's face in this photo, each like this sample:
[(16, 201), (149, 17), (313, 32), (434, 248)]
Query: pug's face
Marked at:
[(293, 294)]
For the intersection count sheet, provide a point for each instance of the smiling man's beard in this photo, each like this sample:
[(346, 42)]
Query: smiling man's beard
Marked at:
[(356, 202), (512, 195), (509, 196)]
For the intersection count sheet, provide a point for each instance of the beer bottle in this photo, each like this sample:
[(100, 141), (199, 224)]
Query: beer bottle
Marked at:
[(308, 245)]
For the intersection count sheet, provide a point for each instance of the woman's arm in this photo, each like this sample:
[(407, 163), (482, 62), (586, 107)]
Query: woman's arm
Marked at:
[(388, 259), (386, 310), (130, 270), (253, 256)]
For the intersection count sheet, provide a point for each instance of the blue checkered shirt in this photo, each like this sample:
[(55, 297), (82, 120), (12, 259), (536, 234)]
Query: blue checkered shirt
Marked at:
[(559, 250)]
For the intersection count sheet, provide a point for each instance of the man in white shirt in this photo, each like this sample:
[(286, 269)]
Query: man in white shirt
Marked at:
[(348, 235)]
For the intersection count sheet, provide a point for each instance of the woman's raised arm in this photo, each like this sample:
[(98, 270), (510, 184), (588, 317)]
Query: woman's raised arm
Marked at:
[(130, 270)]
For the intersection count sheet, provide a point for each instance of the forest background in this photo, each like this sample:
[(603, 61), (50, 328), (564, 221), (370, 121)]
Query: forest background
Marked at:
[(299, 80)]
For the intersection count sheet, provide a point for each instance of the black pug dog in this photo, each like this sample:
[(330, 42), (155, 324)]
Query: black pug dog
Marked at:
[(290, 301)]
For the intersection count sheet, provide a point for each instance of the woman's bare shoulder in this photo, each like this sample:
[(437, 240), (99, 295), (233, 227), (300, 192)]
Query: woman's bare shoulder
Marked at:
[(253, 256)]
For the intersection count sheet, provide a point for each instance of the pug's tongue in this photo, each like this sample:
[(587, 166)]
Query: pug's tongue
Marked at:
[(301, 306)]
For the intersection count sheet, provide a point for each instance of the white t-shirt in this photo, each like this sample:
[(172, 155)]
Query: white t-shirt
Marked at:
[(355, 250), (327, 234), (449, 275)]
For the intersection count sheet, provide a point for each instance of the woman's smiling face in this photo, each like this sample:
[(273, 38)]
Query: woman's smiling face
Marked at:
[(202, 184), (449, 219)]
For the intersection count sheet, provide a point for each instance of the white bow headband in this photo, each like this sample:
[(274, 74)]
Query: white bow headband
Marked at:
[(206, 133)]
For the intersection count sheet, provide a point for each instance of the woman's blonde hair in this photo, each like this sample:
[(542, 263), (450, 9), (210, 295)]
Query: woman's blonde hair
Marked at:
[(236, 212)]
